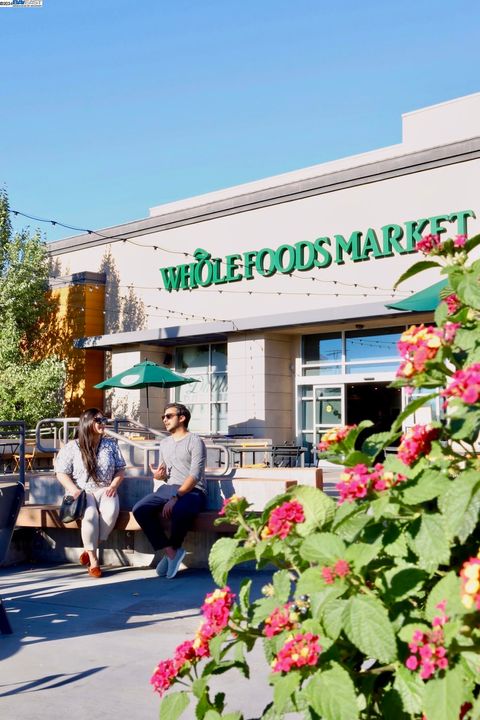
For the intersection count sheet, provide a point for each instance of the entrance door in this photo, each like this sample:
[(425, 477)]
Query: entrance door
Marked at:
[(329, 408), (373, 401)]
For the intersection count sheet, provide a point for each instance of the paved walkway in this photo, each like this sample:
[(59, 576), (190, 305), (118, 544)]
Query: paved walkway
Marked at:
[(85, 648)]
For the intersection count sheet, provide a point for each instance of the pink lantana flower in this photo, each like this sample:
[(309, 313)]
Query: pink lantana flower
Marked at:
[(416, 442), (283, 519), (298, 651)]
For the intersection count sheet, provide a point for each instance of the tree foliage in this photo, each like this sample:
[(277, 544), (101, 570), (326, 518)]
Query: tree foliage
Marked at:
[(29, 388)]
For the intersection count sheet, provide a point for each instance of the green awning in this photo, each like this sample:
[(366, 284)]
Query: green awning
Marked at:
[(421, 301)]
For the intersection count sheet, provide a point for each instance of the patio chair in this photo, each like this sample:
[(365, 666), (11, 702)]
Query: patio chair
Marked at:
[(11, 500), (30, 451)]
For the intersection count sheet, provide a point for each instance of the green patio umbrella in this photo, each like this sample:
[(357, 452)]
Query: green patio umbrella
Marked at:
[(422, 301), (144, 375)]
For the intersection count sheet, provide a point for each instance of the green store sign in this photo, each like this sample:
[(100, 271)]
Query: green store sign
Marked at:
[(306, 255)]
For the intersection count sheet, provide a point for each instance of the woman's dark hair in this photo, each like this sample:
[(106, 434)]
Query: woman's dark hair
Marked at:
[(87, 440)]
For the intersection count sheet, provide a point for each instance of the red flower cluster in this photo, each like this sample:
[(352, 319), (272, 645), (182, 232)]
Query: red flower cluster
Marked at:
[(470, 574), (415, 442), (334, 436), (465, 384), (419, 344), (355, 483), (281, 619), (432, 244), (340, 569), (232, 500), (453, 303), (216, 610), (282, 519), (428, 652), (298, 651), (428, 243)]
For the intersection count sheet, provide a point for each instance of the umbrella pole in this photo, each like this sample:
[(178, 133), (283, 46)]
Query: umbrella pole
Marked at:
[(148, 409)]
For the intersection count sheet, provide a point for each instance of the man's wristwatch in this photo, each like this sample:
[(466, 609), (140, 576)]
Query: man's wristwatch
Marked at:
[(177, 496)]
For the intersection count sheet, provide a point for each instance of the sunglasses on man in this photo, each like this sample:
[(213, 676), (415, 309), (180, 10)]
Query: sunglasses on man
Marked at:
[(167, 416)]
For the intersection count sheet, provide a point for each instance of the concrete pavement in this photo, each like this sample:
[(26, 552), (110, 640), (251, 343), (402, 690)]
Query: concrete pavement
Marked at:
[(85, 648)]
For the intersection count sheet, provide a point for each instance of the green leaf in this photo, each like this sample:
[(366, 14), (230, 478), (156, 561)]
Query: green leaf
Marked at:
[(441, 314), (310, 582), (361, 554), (283, 689), (368, 627), (470, 520), (282, 586), (332, 618), (262, 609), (322, 548), (467, 339), (395, 543), (410, 688), (472, 243), (431, 543), (469, 290), (429, 485), (455, 501), (465, 422), (331, 694), (415, 269), (319, 509), (173, 705), (444, 696), (244, 595), (412, 406), (375, 443), (224, 555), (319, 600), (448, 588), (405, 581), (355, 432), (198, 686), (356, 458), (350, 519)]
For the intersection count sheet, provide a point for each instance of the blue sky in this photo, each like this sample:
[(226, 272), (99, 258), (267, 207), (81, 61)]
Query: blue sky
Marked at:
[(109, 107)]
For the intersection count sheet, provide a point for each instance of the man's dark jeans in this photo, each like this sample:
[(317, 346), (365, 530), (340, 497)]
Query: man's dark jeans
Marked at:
[(147, 513)]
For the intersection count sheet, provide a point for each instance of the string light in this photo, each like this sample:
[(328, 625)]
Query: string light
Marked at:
[(191, 255)]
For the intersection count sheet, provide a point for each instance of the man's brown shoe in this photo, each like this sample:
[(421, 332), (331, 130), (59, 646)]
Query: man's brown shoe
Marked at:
[(84, 558), (95, 572)]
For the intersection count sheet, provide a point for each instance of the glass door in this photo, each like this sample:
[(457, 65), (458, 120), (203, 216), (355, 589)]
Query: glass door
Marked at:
[(329, 408)]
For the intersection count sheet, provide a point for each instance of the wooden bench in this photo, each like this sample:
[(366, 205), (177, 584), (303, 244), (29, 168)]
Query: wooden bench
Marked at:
[(46, 516)]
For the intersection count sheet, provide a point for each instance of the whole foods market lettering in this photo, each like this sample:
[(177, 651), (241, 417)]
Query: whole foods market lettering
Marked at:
[(306, 255)]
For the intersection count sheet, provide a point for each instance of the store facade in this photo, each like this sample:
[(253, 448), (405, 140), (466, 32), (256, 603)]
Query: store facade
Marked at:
[(276, 294)]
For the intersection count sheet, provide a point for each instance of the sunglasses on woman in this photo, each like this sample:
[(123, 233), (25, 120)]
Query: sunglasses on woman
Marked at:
[(101, 420)]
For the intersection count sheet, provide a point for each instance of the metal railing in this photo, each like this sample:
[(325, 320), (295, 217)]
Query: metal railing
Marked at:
[(63, 429)]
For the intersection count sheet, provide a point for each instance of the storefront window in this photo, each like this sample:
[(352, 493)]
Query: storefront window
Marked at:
[(356, 351), (364, 347), (322, 354), (207, 399)]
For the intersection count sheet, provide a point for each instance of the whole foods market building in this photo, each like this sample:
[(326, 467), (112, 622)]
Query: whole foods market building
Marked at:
[(276, 294)]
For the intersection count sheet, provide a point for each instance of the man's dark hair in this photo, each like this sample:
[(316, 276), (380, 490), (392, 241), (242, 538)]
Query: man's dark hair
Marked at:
[(181, 410)]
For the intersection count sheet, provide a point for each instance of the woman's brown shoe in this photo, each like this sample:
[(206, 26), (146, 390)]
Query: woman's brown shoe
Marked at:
[(84, 558), (95, 572)]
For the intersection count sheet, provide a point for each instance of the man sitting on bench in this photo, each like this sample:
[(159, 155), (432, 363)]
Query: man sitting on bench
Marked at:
[(182, 467)]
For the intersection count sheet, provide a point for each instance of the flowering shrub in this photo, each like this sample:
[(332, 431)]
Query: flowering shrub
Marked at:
[(374, 605)]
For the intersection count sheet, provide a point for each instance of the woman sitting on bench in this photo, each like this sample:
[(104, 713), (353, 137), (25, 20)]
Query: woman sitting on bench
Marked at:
[(93, 463)]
